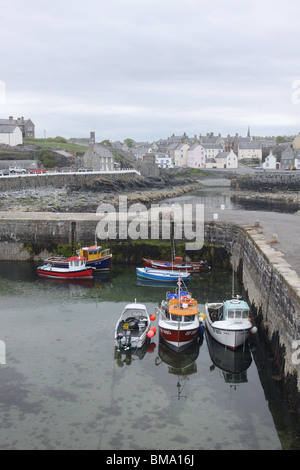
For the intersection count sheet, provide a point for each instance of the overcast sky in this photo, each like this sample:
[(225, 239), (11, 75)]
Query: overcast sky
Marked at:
[(146, 69)]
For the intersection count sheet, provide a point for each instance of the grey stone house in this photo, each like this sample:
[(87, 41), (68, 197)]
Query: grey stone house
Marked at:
[(26, 126), (287, 158), (98, 157)]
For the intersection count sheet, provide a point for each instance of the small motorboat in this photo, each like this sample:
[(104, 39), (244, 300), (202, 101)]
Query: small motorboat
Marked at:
[(177, 265), (96, 257), (179, 321), (133, 327), (161, 275), (76, 269), (228, 322)]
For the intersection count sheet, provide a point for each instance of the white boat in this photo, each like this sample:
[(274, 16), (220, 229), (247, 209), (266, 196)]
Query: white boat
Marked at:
[(179, 322), (132, 327), (76, 269), (161, 275), (228, 322)]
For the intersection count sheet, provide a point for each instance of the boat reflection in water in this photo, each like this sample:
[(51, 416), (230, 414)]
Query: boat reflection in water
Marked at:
[(180, 363), (125, 357), (232, 364)]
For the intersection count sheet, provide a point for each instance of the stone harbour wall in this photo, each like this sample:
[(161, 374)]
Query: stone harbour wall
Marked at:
[(273, 287), (268, 181)]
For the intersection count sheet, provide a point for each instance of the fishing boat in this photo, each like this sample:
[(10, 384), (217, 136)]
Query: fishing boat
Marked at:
[(161, 275), (228, 322), (132, 327), (76, 269), (179, 322), (96, 257), (177, 265)]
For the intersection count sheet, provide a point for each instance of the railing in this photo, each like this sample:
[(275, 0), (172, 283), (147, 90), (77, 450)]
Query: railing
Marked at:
[(72, 172)]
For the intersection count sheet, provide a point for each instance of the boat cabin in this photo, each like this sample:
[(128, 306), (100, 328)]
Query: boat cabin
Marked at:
[(93, 252), (182, 308), (76, 262), (234, 310)]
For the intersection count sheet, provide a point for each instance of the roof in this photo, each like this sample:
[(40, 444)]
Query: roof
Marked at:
[(222, 155), (7, 129), (211, 146), (235, 304), (250, 145)]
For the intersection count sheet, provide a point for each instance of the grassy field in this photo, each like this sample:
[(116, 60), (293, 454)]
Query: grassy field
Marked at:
[(56, 144)]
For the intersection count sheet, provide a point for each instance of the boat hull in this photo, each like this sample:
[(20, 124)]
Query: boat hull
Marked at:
[(60, 273), (158, 275), (232, 336), (172, 266), (176, 338), (100, 264)]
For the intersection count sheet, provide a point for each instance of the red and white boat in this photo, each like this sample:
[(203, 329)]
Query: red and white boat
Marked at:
[(179, 322), (76, 269), (177, 265)]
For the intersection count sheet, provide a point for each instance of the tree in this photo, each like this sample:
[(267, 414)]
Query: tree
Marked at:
[(129, 142)]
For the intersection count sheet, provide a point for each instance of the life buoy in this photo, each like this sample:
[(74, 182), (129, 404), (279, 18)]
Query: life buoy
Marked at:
[(234, 301), (186, 300)]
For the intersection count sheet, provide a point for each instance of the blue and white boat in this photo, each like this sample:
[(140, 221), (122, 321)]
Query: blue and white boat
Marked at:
[(161, 275)]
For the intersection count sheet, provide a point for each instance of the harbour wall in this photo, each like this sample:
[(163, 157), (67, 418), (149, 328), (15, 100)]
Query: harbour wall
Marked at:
[(273, 287), (267, 181)]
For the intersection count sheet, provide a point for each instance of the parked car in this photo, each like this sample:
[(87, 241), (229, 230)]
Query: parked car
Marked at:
[(13, 170), (37, 171), (4, 172), (84, 169)]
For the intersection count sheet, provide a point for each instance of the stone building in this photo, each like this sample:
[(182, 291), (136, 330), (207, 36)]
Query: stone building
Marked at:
[(98, 157), (26, 126)]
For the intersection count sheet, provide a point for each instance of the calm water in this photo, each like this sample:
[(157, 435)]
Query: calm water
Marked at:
[(214, 197), (63, 386)]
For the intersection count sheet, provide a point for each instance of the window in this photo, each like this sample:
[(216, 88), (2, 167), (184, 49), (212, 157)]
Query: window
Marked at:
[(238, 314), (230, 314), (189, 318), (176, 317)]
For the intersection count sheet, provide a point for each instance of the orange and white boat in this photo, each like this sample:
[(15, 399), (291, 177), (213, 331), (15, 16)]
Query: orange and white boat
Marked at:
[(179, 321)]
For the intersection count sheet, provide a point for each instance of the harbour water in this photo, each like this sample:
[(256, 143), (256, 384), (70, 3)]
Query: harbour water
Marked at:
[(64, 386)]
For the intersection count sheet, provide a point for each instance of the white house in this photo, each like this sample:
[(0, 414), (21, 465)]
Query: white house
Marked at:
[(297, 163), (223, 160), (250, 150), (270, 162), (11, 135), (180, 154), (163, 160), (212, 150)]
